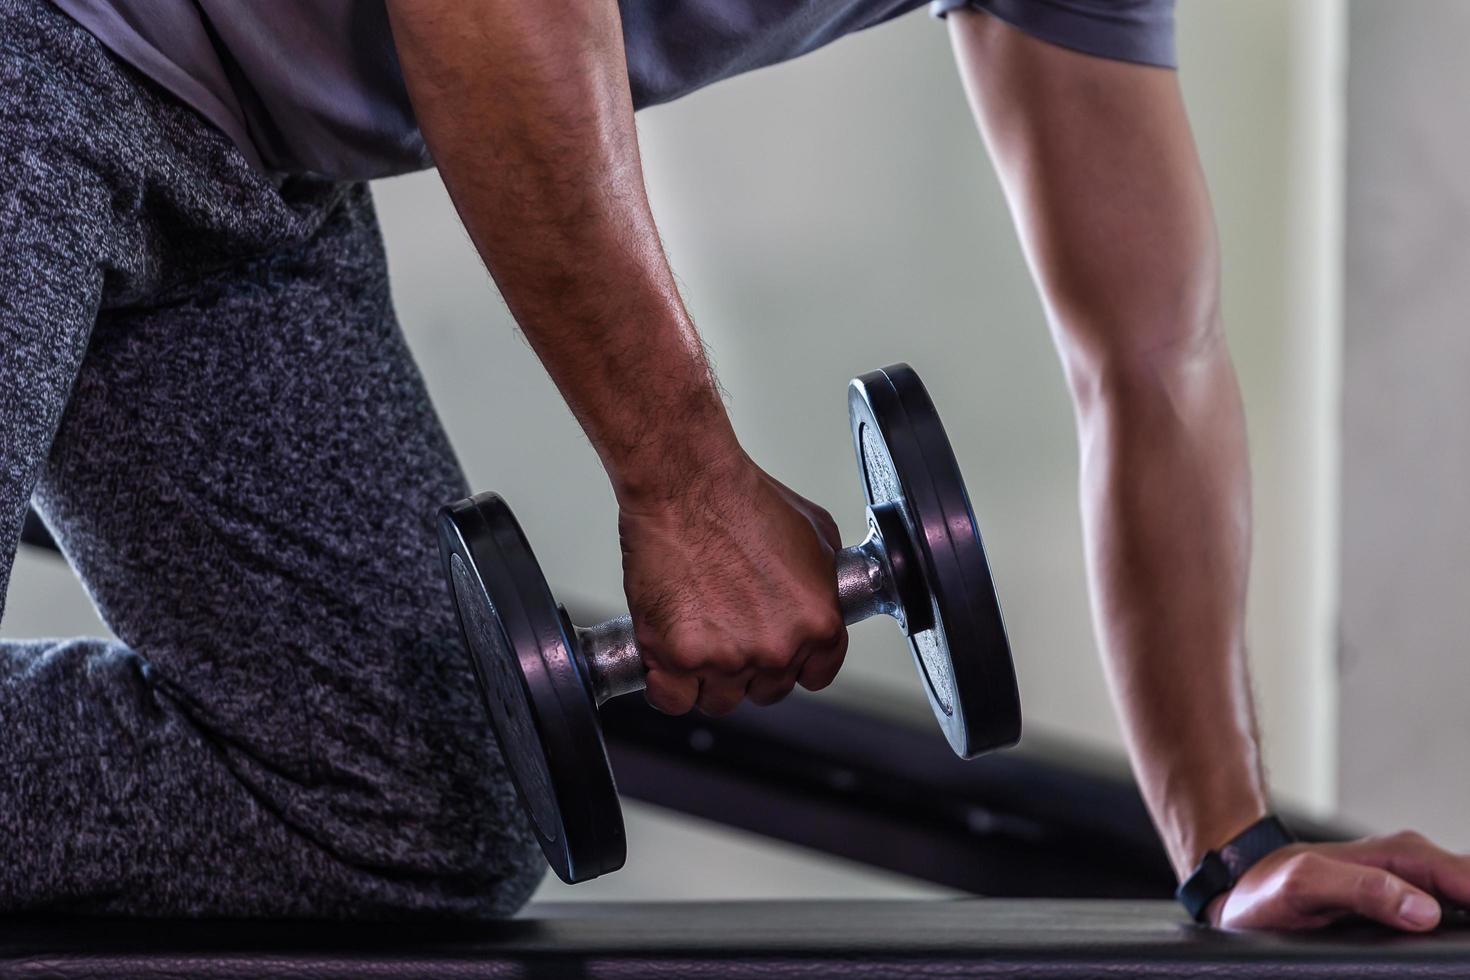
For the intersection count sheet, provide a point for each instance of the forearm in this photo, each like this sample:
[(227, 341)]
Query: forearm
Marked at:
[(1097, 160), (528, 115), (1166, 516)]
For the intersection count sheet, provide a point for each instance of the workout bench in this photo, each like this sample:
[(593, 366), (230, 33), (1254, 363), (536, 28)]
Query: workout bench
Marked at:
[(854, 940)]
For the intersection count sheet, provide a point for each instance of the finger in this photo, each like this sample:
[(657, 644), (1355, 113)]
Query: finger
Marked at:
[(767, 689), (827, 528), (720, 695), (1333, 887), (1387, 898), (823, 663), (673, 694), (772, 685), (1417, 860)]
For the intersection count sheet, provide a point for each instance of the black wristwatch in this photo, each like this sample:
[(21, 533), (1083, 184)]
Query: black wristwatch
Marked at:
[(1218, 871)]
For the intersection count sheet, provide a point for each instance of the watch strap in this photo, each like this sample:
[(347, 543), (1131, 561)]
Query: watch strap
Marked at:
[(1218, 871)]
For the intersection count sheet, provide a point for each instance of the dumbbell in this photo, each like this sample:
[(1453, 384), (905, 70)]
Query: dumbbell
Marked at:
[(541, 678)]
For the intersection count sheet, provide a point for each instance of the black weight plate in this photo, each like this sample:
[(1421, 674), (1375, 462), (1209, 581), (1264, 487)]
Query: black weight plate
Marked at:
[(533, 688), (964, 659)]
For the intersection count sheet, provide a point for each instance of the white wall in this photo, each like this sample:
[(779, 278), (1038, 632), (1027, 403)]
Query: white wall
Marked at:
[(1268, 108), (838, 213), (1406, 528)]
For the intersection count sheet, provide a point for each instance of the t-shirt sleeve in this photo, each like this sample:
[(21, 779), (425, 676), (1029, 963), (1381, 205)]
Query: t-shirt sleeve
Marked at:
[(1140, 31)]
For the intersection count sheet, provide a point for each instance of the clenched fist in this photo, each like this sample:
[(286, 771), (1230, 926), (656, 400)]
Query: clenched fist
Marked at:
[(732, 587)]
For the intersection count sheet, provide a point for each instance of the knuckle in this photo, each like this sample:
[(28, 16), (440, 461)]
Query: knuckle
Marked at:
[(668, 703), (664, 690), (770, 663), (647, 633), (1393, 839), (817, 677), (1294, 892), (1373, 891), (684, 650), (683, 658), (1297, 876), (827, 627), (684, 635), (656, 644), (780, 693), (1304, 865), (772, 656), (728, 660), (717, 700), (811, 630)]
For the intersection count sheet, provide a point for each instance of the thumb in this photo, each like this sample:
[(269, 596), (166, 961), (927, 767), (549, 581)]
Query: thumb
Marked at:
[(1370, 892)]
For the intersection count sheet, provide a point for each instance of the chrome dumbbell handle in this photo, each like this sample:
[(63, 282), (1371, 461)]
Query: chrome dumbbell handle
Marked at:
[(875, 577)]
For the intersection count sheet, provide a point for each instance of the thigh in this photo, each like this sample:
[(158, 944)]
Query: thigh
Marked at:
[(53, 232), (201, 366), (246, 479)]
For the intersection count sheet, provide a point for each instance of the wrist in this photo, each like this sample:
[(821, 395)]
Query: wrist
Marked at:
[(1204, 891), (1208, 834), (1201, 791), (1200, 803), (682, 467)]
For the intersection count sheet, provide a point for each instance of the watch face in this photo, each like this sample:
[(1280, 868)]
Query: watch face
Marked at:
[(1255, 842)]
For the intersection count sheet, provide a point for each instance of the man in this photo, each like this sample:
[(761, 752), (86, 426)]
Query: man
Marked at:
[(207, 393)]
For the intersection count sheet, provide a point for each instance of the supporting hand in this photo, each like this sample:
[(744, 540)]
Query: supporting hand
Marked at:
[(1394, 880)]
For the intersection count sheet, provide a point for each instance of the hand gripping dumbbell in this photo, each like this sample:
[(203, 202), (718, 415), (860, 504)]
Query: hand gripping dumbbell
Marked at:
[(541, 678)]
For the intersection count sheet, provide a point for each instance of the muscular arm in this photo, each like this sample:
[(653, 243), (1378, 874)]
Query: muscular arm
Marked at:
[(527, 111), (1099, 166)]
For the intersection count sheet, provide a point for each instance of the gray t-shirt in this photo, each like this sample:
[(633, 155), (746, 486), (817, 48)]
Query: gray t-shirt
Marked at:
[(314, 86)]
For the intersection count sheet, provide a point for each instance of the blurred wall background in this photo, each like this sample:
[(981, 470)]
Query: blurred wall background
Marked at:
[(838, 213), (1406, 395)]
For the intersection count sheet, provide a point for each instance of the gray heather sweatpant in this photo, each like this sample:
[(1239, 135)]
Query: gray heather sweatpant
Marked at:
[(205, 392)]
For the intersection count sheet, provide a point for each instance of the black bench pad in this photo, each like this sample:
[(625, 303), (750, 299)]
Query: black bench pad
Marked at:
[(859, 939)]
